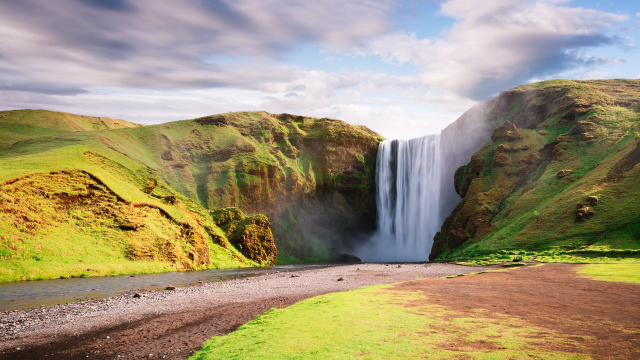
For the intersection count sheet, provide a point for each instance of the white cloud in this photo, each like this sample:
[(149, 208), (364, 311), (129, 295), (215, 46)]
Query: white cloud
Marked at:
[(187, 44), (500, 44), (150, 61)]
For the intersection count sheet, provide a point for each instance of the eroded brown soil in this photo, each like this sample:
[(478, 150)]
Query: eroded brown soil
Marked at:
[(602, 317)]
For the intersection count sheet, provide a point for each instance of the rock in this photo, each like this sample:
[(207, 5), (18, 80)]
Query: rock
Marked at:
[(592, 200), (564, 138), (586, 130), (501, 159), (170, 288), (341, 279), (136, 295), (583, 212), (349, 259), (251, 235), (171, 199), (513, 264), (563, 173), (294, 275)]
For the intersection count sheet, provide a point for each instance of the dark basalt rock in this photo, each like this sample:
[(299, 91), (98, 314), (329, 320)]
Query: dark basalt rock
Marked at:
[(349, 259)]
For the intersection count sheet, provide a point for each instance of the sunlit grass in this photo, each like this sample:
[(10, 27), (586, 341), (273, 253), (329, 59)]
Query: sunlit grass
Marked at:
[(380, 323), (612, 272)]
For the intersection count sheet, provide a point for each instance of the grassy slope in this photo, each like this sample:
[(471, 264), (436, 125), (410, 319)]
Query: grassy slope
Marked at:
[(18, 125), (82, 244), (262, 163), (523, 207)]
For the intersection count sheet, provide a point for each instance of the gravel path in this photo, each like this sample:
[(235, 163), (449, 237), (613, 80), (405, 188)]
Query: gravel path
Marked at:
[(172, 324)]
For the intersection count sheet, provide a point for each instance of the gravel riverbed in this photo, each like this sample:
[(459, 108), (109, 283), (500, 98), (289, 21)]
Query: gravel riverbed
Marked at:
[(172, 324)]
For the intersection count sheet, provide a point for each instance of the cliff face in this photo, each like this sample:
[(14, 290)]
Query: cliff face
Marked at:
[(313, 178), (559, 169)]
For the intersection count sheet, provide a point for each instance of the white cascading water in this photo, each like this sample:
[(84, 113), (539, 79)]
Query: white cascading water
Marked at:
[(408, 179)]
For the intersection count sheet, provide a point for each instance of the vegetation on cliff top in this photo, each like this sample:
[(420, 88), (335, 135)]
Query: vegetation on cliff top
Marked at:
[(560, 174), (17, 125)]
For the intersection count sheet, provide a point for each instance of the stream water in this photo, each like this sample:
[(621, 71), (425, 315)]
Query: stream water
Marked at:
[(31, 294)]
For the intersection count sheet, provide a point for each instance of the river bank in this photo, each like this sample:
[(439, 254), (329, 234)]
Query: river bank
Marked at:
[(172, 324)]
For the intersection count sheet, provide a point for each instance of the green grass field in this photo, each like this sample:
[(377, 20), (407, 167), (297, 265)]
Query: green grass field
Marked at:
[(373, 323), (612, 272)]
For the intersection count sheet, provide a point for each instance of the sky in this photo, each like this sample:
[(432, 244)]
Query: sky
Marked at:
[(402, 68)]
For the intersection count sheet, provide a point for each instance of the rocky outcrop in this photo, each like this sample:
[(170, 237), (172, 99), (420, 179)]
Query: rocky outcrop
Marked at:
[(547, 146), (251, 235)]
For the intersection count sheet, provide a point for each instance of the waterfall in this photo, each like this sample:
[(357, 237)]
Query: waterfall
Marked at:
[(408, 182)]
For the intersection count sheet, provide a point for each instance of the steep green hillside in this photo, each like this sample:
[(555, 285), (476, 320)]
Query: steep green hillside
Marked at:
[(83, 211), (17, 125), (560, 174), (314, 178)]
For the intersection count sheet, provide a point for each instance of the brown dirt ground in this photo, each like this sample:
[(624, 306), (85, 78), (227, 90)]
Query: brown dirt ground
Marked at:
[(602, 317), (175, 336)]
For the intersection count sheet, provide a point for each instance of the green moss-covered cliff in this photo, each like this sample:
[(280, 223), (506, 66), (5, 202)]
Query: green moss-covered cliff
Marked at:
[(559, 170), (312, 178)]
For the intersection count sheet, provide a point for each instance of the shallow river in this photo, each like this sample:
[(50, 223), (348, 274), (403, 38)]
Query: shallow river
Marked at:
[(31, 294)]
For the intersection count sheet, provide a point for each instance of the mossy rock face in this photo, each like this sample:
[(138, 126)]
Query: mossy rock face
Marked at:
[(320, 170), (251, 235), (253, 238), (227, 215), (554, 144)]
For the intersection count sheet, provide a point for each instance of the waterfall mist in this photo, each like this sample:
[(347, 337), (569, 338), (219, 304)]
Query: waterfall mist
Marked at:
[(408, 182)]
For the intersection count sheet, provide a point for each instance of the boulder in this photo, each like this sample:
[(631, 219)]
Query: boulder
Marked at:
[(501, 159), (583, 212), (564, 172), (348, 259), (253, 238)]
